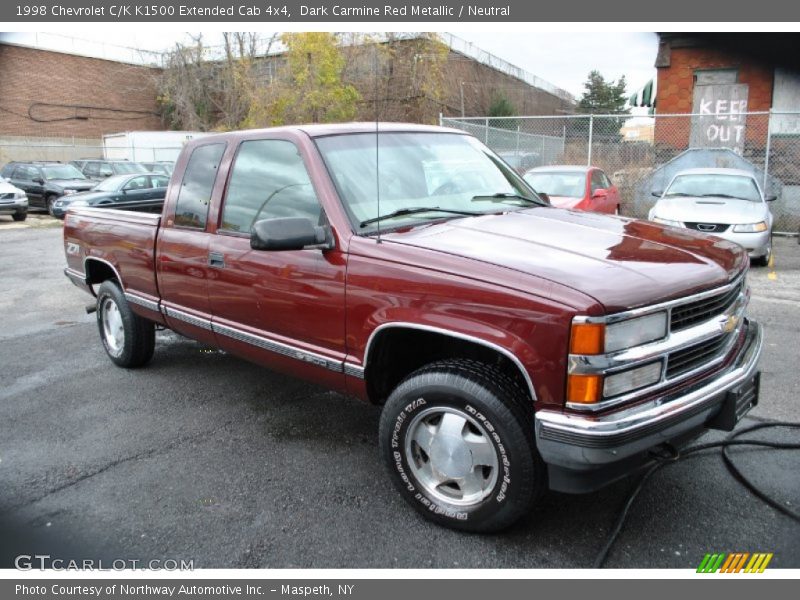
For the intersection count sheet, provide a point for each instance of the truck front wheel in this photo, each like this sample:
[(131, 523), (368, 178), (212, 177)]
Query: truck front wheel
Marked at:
[(457, 439), (129, 339)]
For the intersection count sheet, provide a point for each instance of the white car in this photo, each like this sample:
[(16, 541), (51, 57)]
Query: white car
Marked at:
[(13, 201), (728, 203)]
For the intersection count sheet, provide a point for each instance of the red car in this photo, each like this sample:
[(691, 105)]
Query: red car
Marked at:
[(577, 188)]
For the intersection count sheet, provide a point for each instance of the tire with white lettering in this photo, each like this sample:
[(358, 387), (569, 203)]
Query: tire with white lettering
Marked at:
[(129, 339), (457, 439)]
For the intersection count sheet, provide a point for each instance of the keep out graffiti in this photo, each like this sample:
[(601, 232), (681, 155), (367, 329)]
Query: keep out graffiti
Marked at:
[(720, 119)]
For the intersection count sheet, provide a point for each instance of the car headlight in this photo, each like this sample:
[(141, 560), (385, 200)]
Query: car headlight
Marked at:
[(19, 195), (635, 332), (667, 222), (632, 379), (599, 338), (751, 227)]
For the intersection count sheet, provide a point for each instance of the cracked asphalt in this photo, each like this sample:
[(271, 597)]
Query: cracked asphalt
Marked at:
[(204, 457)]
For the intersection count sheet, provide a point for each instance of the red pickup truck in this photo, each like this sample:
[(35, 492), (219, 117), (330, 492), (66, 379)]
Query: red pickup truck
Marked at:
[(514, 346)]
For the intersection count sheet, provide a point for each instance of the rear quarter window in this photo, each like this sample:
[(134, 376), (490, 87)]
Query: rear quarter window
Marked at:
[(191, 209)]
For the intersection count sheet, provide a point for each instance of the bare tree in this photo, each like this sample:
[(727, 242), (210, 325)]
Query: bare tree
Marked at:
[(211, 87)]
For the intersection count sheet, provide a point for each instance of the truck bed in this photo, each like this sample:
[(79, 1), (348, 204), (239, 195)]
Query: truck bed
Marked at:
[(124, 240)]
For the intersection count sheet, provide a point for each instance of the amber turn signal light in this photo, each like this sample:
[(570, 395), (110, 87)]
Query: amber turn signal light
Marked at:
[(584, 389), (587, 338)]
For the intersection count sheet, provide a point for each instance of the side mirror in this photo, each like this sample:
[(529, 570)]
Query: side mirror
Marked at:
[(544, 196), (600, 193), (657, 194), (289, 233), (39, 180), (770, 198)]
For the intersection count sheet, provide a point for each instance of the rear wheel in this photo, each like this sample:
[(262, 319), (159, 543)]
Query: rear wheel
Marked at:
[(457, 439), (129, 339)]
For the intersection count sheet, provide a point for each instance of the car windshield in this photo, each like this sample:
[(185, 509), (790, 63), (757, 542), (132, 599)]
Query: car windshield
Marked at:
[(129, 167), (445, 171), (712, 184), (112, 184), (558, 183), (62, 172)]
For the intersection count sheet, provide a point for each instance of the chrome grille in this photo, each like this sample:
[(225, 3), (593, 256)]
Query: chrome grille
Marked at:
[(686, 315), (694, 357)]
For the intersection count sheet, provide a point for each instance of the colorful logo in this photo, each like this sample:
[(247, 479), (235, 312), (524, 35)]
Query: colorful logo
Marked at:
[(735, 562)]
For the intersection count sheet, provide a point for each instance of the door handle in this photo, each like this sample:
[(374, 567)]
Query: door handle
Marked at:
[(216, 260)]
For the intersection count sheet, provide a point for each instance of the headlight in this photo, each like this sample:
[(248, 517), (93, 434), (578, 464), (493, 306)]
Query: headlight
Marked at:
[(667, 222), (751, 227), (635, 332), (68, 192), (19, 195), (632, 379), (599, 338)]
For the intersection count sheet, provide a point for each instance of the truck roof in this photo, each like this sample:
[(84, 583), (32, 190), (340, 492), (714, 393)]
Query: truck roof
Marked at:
[(326, 129)]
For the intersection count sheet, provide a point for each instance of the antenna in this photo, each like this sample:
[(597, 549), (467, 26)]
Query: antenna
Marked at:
[(377, 146)]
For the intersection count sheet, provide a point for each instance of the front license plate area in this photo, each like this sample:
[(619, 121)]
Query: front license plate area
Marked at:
[(737, 404)]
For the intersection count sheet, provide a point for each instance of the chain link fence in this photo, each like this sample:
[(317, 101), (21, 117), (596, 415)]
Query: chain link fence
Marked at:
[(66, 149), (641, 154)]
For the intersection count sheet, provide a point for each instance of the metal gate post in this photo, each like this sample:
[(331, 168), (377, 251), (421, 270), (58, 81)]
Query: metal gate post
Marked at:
[(769, 143)]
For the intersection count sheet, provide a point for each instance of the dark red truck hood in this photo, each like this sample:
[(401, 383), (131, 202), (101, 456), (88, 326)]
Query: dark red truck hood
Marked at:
[(620, 263)]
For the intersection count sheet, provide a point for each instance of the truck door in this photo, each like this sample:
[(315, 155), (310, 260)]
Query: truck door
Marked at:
[(182, 247), (281, 308)]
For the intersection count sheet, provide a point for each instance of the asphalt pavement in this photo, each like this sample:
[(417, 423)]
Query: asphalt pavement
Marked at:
[(202, 456)]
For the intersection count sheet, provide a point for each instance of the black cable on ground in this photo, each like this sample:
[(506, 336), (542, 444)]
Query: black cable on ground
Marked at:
[(725, 444)]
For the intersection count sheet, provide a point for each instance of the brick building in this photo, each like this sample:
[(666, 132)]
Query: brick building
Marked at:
[(58, 106), (63, 103), (68, 95), (717, 80)]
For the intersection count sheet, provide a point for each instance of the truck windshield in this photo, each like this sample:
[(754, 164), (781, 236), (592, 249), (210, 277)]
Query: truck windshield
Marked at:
[(418, 170)]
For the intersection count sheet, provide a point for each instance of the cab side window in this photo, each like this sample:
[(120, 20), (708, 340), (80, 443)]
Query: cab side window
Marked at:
[(194, 196), (26, 173), (268, 180), (598, 181), (138, 183)]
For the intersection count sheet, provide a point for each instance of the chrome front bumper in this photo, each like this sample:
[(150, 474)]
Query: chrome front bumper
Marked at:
[(581, 442)]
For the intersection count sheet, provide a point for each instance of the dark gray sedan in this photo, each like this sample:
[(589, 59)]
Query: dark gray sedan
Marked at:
[(117, 189)]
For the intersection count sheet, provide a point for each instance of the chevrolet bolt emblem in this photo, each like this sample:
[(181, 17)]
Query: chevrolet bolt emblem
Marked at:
[(729, 324)]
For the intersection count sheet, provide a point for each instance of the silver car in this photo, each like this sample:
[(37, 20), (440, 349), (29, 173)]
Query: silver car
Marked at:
[(728, 203)]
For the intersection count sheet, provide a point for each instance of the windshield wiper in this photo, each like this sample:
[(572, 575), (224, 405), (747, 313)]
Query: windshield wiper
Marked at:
[(402, 212), (501, 196), (682, 194), (721, 196)]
